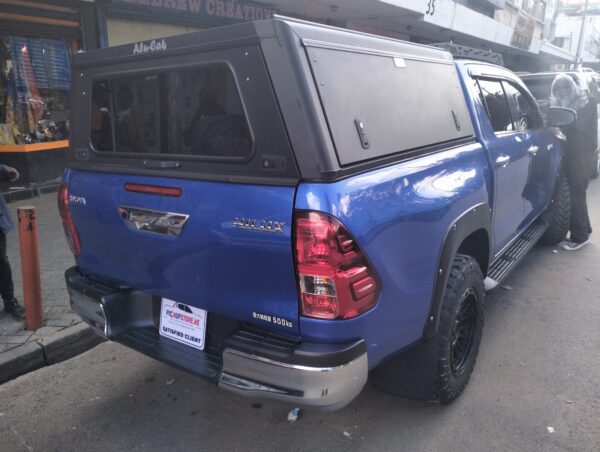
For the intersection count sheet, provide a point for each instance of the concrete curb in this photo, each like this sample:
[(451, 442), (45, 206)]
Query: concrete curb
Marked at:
[(46, 351), (20, 360), (69, 342)]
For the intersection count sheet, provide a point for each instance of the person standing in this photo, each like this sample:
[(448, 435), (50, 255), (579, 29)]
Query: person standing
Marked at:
[(579, 155), (7, 288)]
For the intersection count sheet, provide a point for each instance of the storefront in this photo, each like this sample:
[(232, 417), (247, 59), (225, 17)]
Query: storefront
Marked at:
[(126, 21), (37, 39)]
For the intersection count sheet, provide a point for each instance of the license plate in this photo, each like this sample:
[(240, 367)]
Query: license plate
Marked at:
[(183, 323)]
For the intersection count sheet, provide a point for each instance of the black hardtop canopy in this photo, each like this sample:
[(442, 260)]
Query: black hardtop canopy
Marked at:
[(254, 32), (416, 85)]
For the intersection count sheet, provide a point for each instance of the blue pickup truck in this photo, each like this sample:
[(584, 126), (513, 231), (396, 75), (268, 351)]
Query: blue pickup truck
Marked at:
[(284, 208)]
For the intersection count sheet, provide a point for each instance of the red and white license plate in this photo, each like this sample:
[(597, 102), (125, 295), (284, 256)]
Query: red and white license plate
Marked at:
[(183, 323)]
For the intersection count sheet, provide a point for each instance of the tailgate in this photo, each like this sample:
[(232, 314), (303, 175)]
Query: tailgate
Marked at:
[(233, 255), (197, 114)]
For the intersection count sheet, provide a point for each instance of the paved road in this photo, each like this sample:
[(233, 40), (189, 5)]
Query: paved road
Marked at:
[(539, 367)]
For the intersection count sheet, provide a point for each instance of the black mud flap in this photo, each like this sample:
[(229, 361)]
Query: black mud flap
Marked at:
[(410, 374)]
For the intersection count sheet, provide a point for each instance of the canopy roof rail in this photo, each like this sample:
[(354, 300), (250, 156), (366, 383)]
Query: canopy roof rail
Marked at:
[(464, 52)]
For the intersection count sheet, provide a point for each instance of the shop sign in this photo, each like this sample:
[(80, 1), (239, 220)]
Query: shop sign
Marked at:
[(523, 34), (227, 9)]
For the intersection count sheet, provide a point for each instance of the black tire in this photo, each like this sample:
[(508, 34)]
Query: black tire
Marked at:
[(558, 214), (460, 328), (596, 167)]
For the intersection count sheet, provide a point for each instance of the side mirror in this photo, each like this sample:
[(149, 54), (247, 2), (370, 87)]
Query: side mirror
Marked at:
[(560, 117)]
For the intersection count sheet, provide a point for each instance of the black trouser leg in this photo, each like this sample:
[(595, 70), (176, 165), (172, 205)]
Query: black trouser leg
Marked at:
[(7, 289), (578, 174)]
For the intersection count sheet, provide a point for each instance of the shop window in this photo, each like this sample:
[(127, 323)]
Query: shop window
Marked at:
[(34, 86), (195, 112)]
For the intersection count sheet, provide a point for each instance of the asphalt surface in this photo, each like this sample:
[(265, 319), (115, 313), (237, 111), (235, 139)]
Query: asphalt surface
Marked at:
[(536, 387)]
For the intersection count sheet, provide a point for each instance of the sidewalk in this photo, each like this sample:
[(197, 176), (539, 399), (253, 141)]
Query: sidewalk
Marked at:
[(63, 334)]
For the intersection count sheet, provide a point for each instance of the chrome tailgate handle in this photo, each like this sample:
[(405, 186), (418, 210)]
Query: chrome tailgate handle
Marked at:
[(164, 223)]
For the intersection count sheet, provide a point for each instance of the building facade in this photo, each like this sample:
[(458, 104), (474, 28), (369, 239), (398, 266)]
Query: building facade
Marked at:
[(571, 21), (38, 36), (521, 30)]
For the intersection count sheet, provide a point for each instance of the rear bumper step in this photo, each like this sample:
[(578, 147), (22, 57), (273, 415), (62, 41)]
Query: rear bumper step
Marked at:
[(147, 340), (127, 317), (248, 362)]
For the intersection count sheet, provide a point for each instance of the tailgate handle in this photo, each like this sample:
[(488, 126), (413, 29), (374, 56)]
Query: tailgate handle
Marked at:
[(160, 164), (164, 223)]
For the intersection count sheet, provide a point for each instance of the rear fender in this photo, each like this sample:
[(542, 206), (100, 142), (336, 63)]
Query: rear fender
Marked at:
[(474, 219), (412, 373)]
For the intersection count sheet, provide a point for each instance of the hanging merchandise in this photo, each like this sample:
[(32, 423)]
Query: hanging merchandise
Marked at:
[(27, 89), (6, 136), (50, 61), (37, 80)]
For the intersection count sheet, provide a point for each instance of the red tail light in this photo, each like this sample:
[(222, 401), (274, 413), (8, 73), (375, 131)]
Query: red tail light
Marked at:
[(336, 280), (69, 226)]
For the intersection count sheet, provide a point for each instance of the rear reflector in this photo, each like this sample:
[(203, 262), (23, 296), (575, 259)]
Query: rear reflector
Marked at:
[(153, 189), (336, 281), (67, 220)]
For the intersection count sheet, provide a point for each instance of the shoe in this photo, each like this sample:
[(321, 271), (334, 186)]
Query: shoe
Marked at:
[(14, 308), (568, 245)]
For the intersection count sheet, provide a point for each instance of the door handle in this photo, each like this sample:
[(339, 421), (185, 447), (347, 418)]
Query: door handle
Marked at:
[(533, 149), (503, 160)]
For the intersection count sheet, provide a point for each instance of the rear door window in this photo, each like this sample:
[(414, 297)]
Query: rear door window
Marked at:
[(496, 105), (181, 112)]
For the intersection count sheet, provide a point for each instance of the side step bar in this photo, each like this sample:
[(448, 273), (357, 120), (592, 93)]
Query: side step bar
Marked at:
[(504, 264)]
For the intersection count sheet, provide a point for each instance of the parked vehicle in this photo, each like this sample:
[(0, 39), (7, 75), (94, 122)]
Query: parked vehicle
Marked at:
[(587, 80), (281, 207)]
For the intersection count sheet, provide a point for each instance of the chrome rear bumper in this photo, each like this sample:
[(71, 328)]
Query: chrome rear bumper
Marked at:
[(251, 363), (91, 312), (326, 388)]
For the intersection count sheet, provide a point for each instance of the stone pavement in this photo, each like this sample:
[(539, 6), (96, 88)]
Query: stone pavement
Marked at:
[(55, 258)]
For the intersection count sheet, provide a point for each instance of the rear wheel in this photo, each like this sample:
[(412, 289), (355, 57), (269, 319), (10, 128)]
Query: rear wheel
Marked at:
[(460, 328), (558, 215)]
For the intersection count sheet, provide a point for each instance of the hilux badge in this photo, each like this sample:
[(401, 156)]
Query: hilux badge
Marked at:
[(258, 225)]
